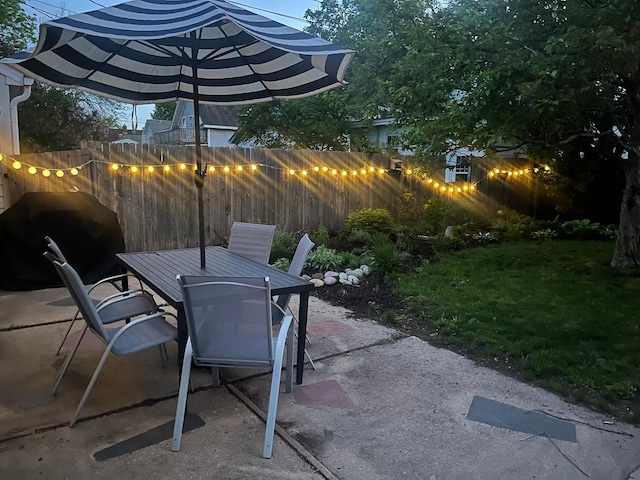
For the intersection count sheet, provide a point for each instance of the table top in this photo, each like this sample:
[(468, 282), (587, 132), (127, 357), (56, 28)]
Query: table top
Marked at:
[(159, 269)]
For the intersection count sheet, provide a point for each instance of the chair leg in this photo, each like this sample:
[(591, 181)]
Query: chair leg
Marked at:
[(306, 353), (273, 408), (68, 332), (275, 389), (67, 361), (164, 356), (103, 360), (288, 380), (182, 398)]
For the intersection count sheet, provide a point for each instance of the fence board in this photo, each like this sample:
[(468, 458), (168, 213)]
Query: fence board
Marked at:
[(159, 210)]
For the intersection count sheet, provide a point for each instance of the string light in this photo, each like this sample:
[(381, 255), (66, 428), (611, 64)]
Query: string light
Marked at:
[(362, 171)]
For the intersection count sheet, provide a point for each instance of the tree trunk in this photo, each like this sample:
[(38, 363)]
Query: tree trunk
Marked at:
[(626, 252)]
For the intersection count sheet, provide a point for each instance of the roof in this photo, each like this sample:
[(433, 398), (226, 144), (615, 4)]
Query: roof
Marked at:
[(218, 115), (156, 126)]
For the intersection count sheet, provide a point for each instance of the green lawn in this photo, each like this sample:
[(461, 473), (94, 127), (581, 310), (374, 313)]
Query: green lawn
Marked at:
[(552, 313)]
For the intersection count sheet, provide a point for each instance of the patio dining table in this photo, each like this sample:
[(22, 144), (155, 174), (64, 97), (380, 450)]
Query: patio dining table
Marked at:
[(158, 270)]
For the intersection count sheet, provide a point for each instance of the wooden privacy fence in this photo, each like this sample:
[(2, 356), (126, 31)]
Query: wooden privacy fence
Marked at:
[(297, 190)]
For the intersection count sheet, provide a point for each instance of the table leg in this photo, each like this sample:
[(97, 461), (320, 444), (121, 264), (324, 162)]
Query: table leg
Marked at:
[(302, 335)]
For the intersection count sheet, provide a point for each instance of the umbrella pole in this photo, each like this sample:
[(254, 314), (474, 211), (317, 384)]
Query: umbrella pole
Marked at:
[(199, 181)]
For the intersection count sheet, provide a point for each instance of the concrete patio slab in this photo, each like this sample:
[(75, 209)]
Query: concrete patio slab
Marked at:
[(379, 406)]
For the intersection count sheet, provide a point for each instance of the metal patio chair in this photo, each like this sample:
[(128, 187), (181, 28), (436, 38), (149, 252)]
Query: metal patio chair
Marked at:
[(140, 333), (229, 323), (111, 280), (281, 304), (251, 240)]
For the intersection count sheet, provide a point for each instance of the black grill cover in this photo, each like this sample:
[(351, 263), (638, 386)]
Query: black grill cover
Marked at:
[(87, 232)]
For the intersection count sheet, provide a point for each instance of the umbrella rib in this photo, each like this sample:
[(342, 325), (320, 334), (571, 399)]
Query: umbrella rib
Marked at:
[(247, 64)]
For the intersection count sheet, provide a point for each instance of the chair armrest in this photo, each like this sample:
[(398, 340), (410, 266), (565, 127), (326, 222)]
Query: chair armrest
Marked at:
[(127, 307), (123, 295), (113, 279), (139, 322)]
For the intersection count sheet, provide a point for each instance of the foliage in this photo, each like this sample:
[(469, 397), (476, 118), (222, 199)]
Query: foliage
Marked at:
[(386, 258), (315, 123), (320, 236), (350, 260), (284, 245), (17, 28), (53, 119), (281, 264), (538, 309), (544, 234), (322, 259), (371, 220), (164, 111)]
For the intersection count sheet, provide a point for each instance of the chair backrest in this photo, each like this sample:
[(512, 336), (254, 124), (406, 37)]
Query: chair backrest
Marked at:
[(229, 320), (295, 267), (79, 294), (53, 246), (252, 240)]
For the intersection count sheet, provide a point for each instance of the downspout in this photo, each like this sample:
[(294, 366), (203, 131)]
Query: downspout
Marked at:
[(15, 134)]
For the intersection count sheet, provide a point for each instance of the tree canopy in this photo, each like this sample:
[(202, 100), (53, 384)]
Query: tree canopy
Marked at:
[(17, 28), (558, 78), (53, 119), (163, 111)]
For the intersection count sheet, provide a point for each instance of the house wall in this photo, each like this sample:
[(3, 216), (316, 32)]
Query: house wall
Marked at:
[(220, 138)]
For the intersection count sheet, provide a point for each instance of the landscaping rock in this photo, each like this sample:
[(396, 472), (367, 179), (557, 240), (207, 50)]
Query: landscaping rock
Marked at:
[(318, 276), (330, 280), (317, 282)]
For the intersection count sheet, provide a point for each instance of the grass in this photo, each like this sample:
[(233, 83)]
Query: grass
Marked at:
[(552, 313)]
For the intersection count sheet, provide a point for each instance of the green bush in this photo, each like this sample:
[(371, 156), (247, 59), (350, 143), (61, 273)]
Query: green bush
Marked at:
[(438, 215), (282, 264), (320, 236), (322, 258), (350, 260), (387, 258), (284, 245), (370, 220)]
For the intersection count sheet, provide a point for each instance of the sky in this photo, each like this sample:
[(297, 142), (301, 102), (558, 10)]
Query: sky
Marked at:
[(289, 12)]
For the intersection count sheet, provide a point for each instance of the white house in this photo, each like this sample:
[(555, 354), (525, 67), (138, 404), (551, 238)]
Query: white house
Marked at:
[(218, 123)]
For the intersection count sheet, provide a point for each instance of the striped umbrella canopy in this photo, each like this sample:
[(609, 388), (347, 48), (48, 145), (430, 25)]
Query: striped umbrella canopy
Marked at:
[(204, 51)]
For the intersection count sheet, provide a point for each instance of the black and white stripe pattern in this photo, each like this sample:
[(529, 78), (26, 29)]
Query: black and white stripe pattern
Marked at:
[(146, 51)]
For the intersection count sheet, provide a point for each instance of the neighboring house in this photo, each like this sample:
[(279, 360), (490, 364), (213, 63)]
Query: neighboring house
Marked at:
[(124, 135), (152, 128), (217, 123), (385, 135)]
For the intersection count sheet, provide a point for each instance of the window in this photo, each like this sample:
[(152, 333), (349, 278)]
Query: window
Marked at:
[(458, 168)]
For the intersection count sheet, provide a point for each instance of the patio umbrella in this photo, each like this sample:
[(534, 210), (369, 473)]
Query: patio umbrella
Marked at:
[(205, 51)]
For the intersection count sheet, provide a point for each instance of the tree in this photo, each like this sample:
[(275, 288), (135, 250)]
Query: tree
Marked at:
[(316, 123), (54, 119), (17, 29), (164, 111), (375, 31), (540, 75)]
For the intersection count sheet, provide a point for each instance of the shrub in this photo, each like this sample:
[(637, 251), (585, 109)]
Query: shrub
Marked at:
[(320, 236), (350, 259), (370, 220), (582, 230), (386, 258), (284, 245), (322, 258), (438, 215), (282, 264)]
